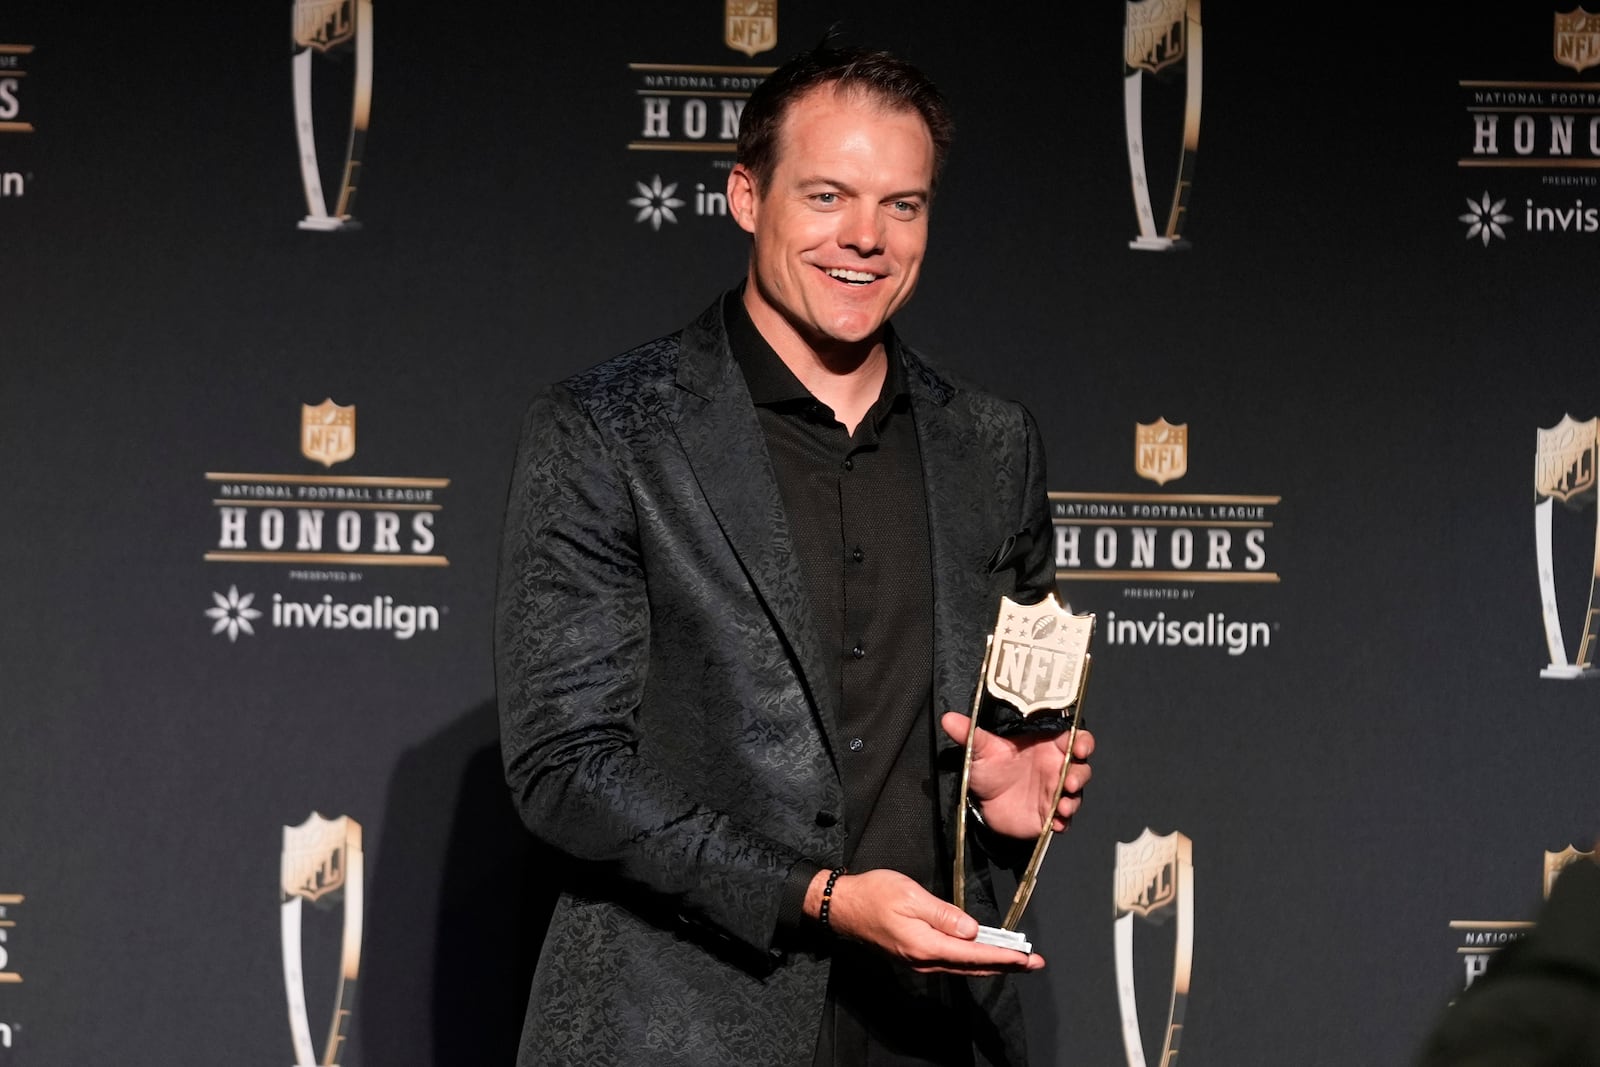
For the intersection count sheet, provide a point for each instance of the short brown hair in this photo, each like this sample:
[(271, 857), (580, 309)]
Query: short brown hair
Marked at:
[(889, 80)]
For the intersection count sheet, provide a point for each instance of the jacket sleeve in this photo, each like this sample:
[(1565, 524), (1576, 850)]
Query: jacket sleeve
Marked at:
[(572, 651)]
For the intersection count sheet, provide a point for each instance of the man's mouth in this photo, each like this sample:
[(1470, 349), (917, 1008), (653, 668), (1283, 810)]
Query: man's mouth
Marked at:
[(853, 277)]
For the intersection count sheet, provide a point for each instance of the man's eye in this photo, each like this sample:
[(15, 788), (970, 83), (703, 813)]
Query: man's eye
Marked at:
[(827, 198), (905, 207)]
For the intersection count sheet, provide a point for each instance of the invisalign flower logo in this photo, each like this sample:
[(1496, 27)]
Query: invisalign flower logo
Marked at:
[(1485, 219), (233, 613), (656, 202)]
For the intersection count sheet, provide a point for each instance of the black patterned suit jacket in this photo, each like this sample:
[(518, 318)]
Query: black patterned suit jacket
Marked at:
[(662, 722)]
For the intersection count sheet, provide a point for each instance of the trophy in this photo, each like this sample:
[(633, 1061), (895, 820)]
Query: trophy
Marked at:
[(322, 863), (1036, 660), (1564, 469), (1154, 881), (323, 27), (1160, 34), (1556, 862)]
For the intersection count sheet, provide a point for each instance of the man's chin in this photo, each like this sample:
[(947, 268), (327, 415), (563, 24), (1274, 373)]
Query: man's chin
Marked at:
[(854, 328)]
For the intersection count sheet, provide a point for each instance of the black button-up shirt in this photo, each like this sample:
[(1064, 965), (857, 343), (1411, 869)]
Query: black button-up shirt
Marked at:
[(857, 516)]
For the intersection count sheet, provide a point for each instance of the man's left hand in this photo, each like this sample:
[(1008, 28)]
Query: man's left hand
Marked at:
[(1014, 779)]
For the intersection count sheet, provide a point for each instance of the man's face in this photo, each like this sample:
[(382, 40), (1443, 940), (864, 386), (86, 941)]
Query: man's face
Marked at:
[(841, 228)]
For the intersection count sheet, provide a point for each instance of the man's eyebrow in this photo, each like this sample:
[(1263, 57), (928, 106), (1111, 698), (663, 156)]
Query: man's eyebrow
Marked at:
[(832, 183)]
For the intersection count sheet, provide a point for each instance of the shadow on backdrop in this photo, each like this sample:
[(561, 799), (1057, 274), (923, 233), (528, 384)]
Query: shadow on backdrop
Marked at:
[(457, 908)]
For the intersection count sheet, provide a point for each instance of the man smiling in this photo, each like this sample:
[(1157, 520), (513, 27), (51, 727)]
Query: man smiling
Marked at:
[(744, 564)]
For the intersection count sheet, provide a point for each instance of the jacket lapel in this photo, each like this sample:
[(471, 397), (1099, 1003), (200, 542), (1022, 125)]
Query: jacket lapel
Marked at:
[(956, 504), (721, 436)]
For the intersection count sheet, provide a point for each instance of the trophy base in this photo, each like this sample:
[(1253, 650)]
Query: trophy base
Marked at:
[(1159, 244), (993, 935), (1568, 672), (328, 223)]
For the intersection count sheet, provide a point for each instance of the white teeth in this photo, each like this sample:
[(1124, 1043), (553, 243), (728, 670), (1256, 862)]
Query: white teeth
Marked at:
[(858, 276)]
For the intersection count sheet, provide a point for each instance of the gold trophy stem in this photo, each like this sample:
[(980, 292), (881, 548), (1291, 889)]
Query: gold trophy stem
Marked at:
[(959, 896), (1030, 877)]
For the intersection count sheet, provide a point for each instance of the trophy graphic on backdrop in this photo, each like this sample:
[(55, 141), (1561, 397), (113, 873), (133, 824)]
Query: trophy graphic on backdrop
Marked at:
[(1564, 469), (1159, 34), (321, 863), (1154, 881), (1556, 862), (1036, 660), (325, 27)]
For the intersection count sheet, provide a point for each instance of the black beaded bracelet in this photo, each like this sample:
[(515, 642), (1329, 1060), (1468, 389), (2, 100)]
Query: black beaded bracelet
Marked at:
[(827, 895)]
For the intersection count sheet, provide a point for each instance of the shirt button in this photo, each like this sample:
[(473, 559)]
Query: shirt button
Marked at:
[(849, 464), (858, 555), (858, 652), (856, 744)]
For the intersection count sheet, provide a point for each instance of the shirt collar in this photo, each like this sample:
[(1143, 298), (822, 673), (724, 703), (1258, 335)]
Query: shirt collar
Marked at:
[(770, 379)]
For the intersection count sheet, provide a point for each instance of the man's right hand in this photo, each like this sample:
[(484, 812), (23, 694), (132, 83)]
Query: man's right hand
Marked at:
[(886, 909)]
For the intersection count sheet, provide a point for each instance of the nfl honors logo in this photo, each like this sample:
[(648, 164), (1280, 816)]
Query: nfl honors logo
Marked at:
[(1161, 450), (327, 432), (1577, 41), (750, 26)]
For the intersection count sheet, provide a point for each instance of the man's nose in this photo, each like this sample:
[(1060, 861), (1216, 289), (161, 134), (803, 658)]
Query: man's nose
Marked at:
[(862, 229)]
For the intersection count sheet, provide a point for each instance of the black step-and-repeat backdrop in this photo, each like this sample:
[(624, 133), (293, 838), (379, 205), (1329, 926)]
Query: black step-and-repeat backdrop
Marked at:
[(1303, 299)]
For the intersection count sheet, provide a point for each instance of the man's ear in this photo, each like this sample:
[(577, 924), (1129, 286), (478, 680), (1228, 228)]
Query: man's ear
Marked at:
[(742, 197)]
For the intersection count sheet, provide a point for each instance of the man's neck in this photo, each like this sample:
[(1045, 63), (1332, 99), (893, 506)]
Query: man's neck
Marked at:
[(847, 378)]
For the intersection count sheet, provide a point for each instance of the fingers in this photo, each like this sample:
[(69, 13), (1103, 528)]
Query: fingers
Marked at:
[(1078, 776), (1083, 745), (952, 955), (890, 911), (957, 726), (951, 920)]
